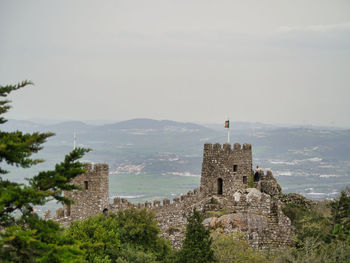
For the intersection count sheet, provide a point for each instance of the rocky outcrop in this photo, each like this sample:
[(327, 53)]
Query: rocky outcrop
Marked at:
[(268, 184), (297, 199)]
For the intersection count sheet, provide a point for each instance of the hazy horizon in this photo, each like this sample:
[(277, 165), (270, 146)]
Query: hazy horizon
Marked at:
[(44, 121), (273, 61)]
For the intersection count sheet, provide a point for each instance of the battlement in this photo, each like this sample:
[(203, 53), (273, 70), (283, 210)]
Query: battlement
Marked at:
[(122, 203), (210, 148), (95, 169)]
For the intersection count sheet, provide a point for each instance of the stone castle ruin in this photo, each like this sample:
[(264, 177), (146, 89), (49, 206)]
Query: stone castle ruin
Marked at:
[(228, 197)]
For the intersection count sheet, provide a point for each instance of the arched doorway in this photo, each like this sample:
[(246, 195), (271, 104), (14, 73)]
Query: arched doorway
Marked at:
[(219, 186)]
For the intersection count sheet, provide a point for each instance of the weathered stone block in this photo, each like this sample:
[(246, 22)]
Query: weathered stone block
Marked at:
[(47, 214), (59, 213), (116, 200), (166, 202)]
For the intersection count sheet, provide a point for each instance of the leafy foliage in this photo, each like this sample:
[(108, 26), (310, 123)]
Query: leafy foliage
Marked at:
[(139, 229), (197, 244), (235, 248), (129, 236), (24, 237), (132, 255), (39, 240), (98, 236)]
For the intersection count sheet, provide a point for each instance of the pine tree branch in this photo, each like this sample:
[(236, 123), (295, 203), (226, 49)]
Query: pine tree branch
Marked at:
[(16, 148), (6, 90)]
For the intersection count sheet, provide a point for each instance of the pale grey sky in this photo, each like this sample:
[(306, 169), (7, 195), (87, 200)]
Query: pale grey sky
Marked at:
[(186, 60)]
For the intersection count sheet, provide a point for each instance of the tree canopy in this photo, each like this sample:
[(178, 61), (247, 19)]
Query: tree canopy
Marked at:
[(131, 235)]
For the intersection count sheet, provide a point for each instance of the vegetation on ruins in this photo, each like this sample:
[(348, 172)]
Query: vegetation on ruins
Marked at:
[(235, 248), (322, 232), (322, 235)]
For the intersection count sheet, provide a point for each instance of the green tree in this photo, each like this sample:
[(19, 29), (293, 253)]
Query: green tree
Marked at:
[(24, 237), (140, 229), (196, 247), (98, 236), (340, 210), (131, 235)]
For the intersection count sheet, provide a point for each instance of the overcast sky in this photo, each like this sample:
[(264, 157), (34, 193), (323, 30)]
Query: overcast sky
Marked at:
[(186, 60)]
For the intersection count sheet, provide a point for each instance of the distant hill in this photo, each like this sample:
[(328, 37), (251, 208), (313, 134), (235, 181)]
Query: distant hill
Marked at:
[(153, 124)]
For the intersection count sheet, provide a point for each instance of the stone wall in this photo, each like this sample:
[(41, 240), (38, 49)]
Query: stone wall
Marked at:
[(257, 215), (171, 216)]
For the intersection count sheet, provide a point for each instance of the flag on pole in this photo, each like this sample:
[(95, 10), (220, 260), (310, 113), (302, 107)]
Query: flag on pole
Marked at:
[(227, 124)]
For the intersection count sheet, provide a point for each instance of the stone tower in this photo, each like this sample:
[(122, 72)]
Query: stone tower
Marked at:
[(226, 169), (94, 196)]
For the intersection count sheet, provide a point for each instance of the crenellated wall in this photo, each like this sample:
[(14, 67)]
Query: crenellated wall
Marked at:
[(171, 216)]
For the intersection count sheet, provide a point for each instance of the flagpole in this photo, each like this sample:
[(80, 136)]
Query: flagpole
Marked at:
[(75, 139), (228, 135), (227, 126)]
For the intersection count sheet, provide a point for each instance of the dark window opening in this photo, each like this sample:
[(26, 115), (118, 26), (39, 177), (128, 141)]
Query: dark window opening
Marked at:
[(105, 212), (245, 181), (86, 185), (68, 210), (219, 186), (235, 168)]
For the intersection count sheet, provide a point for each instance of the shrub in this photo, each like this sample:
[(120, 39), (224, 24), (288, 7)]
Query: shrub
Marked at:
[(129, 236), (235, 248)]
